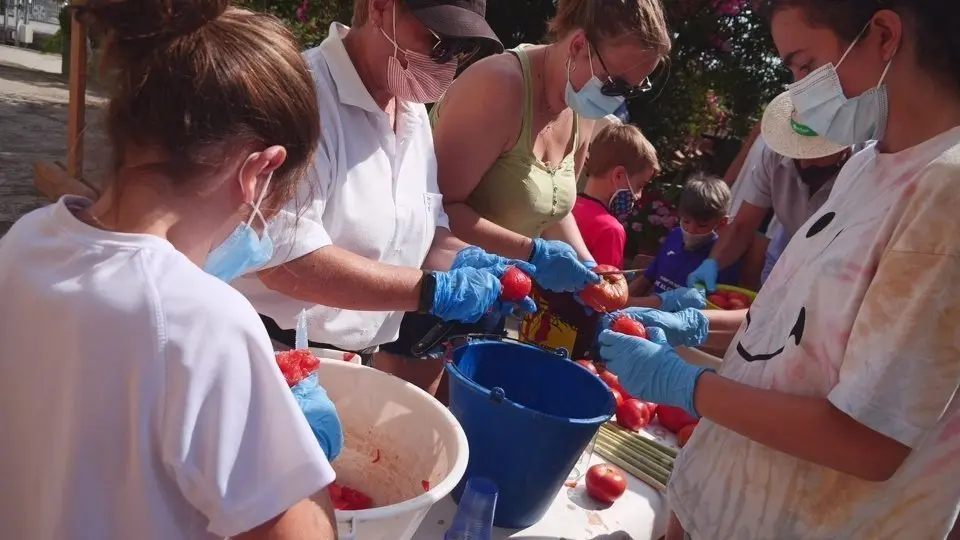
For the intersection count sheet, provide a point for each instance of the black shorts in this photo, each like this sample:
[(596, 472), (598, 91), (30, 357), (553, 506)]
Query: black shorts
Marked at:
[(415, 326)]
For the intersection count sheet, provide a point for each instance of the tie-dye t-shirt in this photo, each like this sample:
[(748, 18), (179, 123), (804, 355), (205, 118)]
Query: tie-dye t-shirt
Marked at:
[(863, 309)]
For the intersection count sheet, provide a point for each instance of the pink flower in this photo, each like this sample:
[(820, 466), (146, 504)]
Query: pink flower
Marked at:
[(728, 8), (654, 219), (656, 204), (637, 226), (303, 10), (663, 211), (669, 222)]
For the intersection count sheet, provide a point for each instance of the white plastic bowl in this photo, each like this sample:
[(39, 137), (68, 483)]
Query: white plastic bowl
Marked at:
[(418, 440)]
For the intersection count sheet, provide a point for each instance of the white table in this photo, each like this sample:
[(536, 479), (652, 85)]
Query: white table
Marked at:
[(640, 514)]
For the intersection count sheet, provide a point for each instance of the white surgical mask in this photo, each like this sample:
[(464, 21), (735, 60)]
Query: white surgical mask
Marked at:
[(693, 241), (242, 251), (819, 101), (590, 101)]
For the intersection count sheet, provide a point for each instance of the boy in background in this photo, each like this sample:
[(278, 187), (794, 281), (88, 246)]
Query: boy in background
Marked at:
[(620, 162), (703, 208)]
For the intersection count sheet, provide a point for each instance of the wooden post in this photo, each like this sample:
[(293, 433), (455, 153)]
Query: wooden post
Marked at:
[(78, 89)]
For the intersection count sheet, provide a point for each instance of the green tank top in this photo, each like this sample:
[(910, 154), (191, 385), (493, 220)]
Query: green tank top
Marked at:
[(519, 192)]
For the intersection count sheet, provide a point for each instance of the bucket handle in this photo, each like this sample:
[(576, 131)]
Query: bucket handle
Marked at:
[(450, 346), (350, 533)]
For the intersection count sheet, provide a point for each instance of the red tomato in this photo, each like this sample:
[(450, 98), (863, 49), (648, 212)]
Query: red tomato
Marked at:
[(612, 380), (588, 365), (633, 414), (673, 418), (605, 483), (617, 395), (652, 407), (628, 326), (736, 303), (296, 365), (684, 435), (356, 500), (610, 294), (515, 285), (718, 300)]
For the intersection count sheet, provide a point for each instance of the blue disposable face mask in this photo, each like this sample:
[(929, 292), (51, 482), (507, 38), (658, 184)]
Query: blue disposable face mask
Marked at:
[(819, 101), (622, 202), (589, 101), (242, 251)]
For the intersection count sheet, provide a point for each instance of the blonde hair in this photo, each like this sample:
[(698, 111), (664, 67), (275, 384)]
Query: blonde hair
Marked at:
[(621, 145), (361, 10), (640, 20)]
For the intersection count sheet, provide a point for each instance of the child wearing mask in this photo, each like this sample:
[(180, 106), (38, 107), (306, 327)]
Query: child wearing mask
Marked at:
[(703, 208), (620, 162)]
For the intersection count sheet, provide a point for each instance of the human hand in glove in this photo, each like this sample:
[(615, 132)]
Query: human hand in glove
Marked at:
[(467, 294), (687, 327), (682, 298), (558, 268), (706, 274), (650, 369), (321, 415), (475, 257)]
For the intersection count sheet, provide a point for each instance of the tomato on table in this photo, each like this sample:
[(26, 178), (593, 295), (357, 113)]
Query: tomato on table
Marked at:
[(605, 483)]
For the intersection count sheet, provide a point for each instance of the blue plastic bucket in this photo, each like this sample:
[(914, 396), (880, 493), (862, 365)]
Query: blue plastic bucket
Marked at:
[(528, 415)]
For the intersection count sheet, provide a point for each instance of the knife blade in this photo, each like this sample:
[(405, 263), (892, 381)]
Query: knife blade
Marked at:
[(628, 274)]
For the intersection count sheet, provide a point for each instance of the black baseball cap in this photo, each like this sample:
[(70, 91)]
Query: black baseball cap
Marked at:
[(455, 18)]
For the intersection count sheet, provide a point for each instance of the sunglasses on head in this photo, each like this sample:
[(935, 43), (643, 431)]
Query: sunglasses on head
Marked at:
[(617, 86)]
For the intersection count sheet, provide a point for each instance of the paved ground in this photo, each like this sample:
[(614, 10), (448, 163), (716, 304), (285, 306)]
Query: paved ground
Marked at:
[(33, 127)]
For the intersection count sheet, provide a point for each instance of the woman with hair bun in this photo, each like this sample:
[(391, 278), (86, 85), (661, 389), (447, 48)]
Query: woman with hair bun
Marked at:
[(836, 412), (139, 394)]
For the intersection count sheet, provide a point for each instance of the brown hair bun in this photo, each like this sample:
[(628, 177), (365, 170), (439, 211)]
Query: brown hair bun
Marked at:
[(153, 20)]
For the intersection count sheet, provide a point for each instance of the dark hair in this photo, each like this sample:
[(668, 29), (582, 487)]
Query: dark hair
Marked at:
[(935, 25), (704, 198), (196, 80)]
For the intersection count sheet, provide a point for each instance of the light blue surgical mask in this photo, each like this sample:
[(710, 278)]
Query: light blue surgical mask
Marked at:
[(589, 101), (819, 101), (242, 251)]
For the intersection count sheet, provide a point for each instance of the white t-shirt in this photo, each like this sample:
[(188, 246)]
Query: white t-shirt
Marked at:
[(862, 309), (372, 190), (139, 396)]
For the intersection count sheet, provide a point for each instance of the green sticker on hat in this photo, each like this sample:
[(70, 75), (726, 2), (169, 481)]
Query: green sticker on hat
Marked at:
[(801, 129)]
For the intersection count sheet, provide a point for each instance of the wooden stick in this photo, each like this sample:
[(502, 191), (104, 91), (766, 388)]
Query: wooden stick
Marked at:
[(611, 455), (672, 452), (78, 90)]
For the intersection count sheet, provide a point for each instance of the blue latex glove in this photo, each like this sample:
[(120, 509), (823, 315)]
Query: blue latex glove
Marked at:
[(321, 415), (682, 298), (475, 257), (467, 294), (706, 274), (558, 268), (687, 327), (650, 369)]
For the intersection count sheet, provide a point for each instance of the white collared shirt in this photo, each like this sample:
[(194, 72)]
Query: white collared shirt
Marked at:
[(372, 191)]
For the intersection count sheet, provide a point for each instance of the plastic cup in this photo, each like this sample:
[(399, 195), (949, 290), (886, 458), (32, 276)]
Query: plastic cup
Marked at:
[(474, 517), (583, 462)]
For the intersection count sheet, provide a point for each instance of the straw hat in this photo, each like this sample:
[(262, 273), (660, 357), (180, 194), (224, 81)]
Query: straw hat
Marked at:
[(786, 135)]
